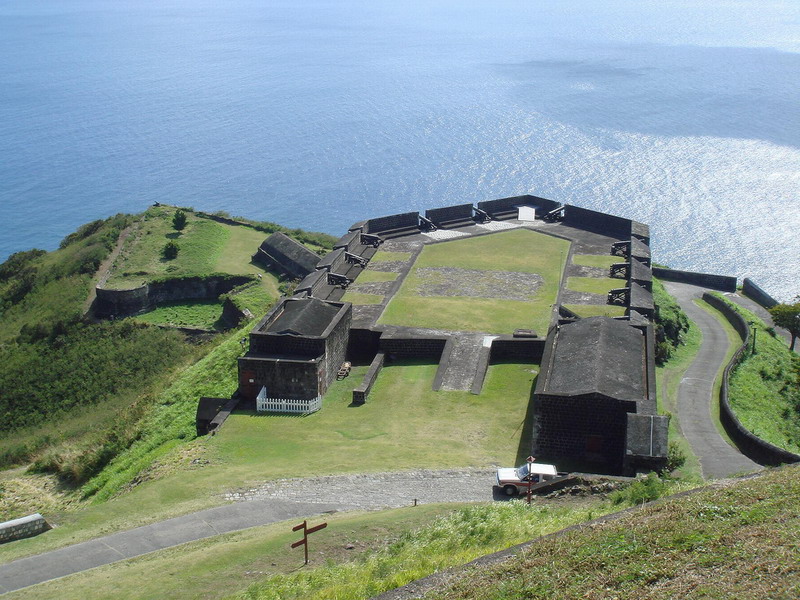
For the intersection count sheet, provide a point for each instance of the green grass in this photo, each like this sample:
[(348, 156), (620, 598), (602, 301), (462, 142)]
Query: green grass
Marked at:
[(255, 298), (764, 390), (737, 541), (596, 310), (434, 430), (517, 251), (370, 276), (594, 285), (204, 314), (211, 568), (387, 256), (359, 298), (596, 260)]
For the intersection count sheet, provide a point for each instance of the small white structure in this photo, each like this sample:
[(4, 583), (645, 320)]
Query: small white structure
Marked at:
[(527, 213)]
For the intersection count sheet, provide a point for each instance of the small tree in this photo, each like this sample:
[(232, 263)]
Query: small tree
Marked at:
[(170, 250), (179, 220), (788, 317)]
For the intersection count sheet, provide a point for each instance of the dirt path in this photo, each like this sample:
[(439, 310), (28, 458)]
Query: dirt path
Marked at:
[(104, 271)]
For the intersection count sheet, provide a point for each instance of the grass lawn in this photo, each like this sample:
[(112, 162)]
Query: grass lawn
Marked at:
[(594, 285), (520, 251), (602, 261), (596, 310), (214, 567), (762, 385), (190, 313), (735, 541), (370, 276), (206, 246), (403, 425), (359, 298)]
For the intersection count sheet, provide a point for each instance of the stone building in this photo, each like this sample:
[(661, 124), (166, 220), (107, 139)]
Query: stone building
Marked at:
[(296, 350), (281, 253), (595, 396)]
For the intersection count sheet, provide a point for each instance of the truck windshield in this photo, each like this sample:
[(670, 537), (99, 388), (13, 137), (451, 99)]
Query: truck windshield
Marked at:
[(522, 471)]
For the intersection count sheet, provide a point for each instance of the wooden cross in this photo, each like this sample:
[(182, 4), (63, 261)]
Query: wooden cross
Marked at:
[(306, 531)]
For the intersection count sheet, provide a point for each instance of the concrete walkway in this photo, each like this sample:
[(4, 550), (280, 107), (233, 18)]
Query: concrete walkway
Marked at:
[(717, 458), (270, 503)]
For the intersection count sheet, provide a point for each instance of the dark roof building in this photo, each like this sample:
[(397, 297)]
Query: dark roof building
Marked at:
[(282, 253), (595, 373)]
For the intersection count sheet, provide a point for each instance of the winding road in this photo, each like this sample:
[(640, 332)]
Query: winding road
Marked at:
[(717, 458)]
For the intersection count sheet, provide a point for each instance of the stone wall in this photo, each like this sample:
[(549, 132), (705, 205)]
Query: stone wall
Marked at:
[(413, 347), (361, 393), (292, 345), (752, 290), (508, 205), (335, 350), (333, 261), (592, 220), (399, 221), (522, 349), (363, 344), (123, 303), (23, 527), (449, 214), (715, 282), (752, 446), (285, 378)]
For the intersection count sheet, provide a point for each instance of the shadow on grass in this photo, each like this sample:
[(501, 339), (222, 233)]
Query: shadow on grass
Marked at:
[(525, 448)]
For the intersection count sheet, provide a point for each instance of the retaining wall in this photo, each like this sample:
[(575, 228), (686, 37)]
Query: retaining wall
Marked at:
[(123, 303), (361, 393), (413, 347), (723, 283), (461, 212), (752, 446), (752, 290), (398, 221), (599, 222), (508, 204), (23, 527), (524, 349)]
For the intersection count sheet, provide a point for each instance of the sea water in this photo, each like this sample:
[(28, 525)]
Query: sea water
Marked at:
[(318, 113)]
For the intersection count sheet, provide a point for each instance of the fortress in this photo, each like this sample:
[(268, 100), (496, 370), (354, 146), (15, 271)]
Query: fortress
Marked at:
[(595, 398)]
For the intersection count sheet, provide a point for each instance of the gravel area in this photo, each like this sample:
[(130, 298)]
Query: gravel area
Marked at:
[(380, 288), (393, 266), (380, 490), (475, 283), (573, 297)]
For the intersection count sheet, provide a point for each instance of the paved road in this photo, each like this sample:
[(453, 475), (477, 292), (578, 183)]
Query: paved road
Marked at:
[(717, 458), (270, 503)]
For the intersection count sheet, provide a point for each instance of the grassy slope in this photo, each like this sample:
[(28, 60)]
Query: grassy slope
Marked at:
[(191, 313), (601, 261), (737, 541), (521, 251), (762, 385), (594, 285), (402, 412), (211, 568)]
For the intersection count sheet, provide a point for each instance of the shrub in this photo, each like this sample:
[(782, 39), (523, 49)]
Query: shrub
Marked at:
[(640, 491), (675, 457), (179, 220), (170, 250)]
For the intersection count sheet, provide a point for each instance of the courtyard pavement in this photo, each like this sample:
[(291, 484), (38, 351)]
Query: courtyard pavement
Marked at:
[(718, 459)]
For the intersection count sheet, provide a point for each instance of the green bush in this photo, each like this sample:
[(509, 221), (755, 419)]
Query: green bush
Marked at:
[(640, 491), (179, 220), (170, 250), (671, 323)]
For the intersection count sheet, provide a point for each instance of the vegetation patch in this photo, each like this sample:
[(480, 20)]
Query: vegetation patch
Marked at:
[(520, 251), (737, 541), (671, 323), (383, 256), (594, 285), (764, 389), (361, 298), (372, 276), (204, 314)]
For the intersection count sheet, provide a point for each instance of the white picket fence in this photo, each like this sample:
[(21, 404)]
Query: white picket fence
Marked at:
[(286, 405)]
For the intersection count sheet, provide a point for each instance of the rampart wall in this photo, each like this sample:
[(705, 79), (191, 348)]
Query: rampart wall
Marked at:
[(361, 392), (407, 220), (752, 290), (592, 220), (449, 214), (23, 527), (751, 445), (723, 283), (123, 303)]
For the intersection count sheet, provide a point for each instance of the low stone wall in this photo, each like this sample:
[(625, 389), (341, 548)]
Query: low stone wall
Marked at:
[(752, 446), (333, 261), (448, 214), (23, 527), (510, 348), (361, 393), (413, 347), (752, 290), (505, 205), (123, 303), (723, 283), (399, 221), (592, 220)]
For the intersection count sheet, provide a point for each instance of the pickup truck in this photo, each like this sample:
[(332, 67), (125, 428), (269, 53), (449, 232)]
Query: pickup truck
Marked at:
[(515, 480)]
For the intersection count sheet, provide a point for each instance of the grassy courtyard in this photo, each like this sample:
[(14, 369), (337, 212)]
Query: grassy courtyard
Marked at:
[(494, 283)]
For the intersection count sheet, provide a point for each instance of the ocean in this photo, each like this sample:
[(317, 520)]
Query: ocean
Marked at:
[(318, 113)]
